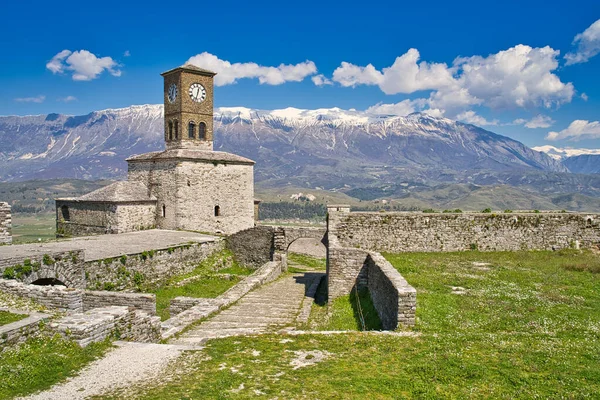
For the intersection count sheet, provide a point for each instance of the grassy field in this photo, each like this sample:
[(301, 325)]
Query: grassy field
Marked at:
[(489, 325), (8, 317), (205, 281), (31, 227), (41, 362)]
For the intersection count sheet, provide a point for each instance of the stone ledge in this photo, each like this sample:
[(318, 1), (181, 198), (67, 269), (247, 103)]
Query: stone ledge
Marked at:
[(18, 331)]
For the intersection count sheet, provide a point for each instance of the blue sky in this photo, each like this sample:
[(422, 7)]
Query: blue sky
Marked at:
[(500, 65)]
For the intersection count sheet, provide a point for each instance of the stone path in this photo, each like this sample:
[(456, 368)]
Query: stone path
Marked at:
[(127, 364), (270, 307)]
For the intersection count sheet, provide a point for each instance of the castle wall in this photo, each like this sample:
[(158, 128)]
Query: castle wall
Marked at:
[(5, 224), (85, 218), (352, 235), (160, 177), (204, 186), (135, 217)]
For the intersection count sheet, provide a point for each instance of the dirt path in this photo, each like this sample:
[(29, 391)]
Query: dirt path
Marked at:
[(127, 364)]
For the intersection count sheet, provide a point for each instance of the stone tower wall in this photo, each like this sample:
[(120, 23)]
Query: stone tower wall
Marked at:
[(5, 224), (202, 186)]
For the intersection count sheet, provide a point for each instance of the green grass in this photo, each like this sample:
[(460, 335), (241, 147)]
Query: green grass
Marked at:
[(308, 261), (489, 325), (42, 362), (8, 317), (204, 282), (31, 227)]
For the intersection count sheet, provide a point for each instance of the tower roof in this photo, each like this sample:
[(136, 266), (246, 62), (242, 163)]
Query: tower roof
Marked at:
[(192, 155), (190, 68)]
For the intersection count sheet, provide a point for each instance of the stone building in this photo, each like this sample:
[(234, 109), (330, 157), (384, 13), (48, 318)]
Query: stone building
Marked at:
[(5, 223), (188, 186)]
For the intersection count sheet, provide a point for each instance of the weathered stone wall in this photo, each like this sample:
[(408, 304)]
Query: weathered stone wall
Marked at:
[(393, 298), (120, 322), (67, 267), (85, 218), (5, 224), (252, 247), (140, 301), (19, 331), (129, 271), (190, 191), (53, 297), (352, 235), (402, 232), (97, 218)]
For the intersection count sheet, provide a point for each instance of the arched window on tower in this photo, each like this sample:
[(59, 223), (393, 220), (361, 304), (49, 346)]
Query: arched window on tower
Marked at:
[(192, 130), (202, 131), (170, 130), (217, 211), (176, 129), (164, 211)]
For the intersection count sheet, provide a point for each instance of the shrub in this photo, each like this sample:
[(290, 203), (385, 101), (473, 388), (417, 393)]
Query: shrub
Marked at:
[(487, 210), (474, 246), (9, 273), (108, 286), (47, 260), (123, 259), (429, 210), (507, 211), (138, 278)]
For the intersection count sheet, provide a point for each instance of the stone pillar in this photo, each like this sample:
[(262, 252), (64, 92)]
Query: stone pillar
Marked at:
[(5, 224)]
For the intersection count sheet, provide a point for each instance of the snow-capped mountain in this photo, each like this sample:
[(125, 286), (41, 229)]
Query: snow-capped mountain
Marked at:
[(330, 148), (580, 161)]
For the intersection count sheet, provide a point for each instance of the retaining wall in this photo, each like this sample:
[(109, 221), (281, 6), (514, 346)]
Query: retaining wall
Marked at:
[(19, 331), (53, 297), (140, 301), (5, 224), (394, 299), (128, 271)]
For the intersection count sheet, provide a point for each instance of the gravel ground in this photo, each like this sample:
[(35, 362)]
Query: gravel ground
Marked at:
[(123, 366)]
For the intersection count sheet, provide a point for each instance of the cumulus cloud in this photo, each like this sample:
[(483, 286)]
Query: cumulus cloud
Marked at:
[(584, 97), (83, 65), (539, 121), (36, 99), (402, 108), (406, 75), (579, 129), (470, 117), (321, 80), (229, 73), (587, 45), (520, 76), (68, 99)]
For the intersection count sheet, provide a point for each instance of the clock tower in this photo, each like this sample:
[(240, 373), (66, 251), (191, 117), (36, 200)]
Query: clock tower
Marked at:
[(188, 99)]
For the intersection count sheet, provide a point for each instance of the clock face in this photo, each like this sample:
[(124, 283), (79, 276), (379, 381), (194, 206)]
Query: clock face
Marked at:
[(197, 92), (172, 95)]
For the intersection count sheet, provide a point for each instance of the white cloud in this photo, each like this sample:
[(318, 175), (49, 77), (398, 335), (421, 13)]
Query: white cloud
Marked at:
[(321, 80), (584, 97), (402, 108), (68, 99), (588, 45), (36, 99), (520, 76), (84, 65), (126, 53), (470, 117), (579, 129), (406, 75), (229, 73), (539, 121)]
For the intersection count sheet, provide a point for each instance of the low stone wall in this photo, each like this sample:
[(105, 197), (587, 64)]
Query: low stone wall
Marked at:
[(267, 273), (182, 303), (403, 232), (252, 247), (53, 297), (140, 301), (19, 331), (120, 322), (5, 224), (394, 299), (128, 271), (65, 266)]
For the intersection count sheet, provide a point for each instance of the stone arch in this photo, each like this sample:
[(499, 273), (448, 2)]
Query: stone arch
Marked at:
[(285, 236), (66, 267), (308, 245), (48, 282)]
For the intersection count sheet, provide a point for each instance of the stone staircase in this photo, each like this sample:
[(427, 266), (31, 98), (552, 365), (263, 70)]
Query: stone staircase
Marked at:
[(269, 308)]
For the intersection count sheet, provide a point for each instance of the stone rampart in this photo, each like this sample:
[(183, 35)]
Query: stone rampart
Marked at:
[(128, 271), (140, 301), (394, 299), (403, 232), (252, 247), (120, 322), (5, 224), (53, 297), (65, 266)]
